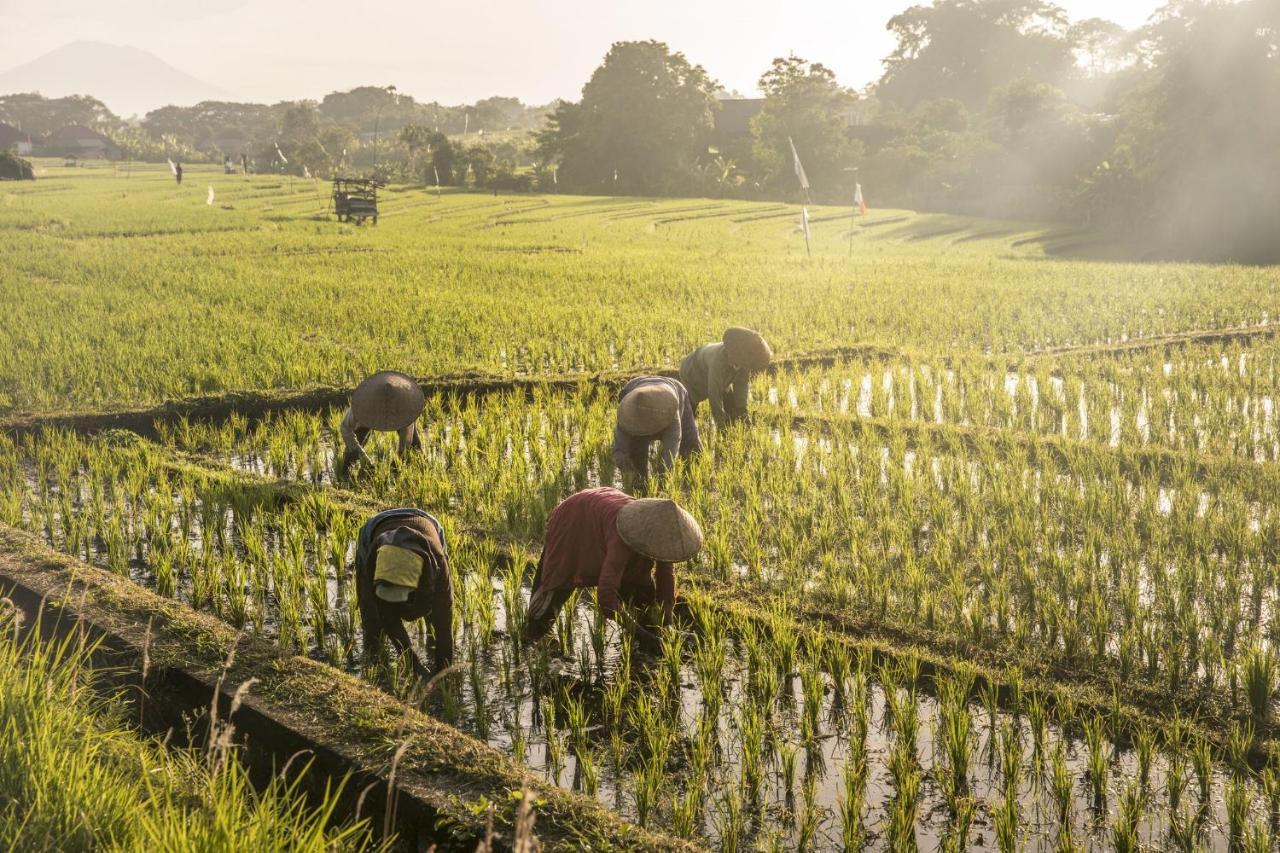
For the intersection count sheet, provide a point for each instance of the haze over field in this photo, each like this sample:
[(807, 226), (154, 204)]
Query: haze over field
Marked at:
[(454, 53)]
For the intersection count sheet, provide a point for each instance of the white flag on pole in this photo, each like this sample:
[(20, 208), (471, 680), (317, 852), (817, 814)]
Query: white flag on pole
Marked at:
[(209, 200), (795, 155), (555, 177), (280, 153), (804, 223), (173, 168), (857, 199)]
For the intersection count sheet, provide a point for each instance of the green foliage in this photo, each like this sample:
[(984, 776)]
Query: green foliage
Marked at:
[(40, 116), (1195, 163), (804, 103), (645, 117), (1100, 515), (965, 49)]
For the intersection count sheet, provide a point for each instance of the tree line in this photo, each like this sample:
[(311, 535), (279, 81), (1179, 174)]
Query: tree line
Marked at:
[(370, 129), (1169, 134)]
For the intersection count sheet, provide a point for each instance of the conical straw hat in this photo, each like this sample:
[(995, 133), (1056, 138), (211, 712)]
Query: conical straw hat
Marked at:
[(648, 409), (746, 348), (387, 401), (659, 529)]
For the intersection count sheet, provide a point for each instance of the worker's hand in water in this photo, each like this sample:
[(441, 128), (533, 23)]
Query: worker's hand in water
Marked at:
[(647, 642)]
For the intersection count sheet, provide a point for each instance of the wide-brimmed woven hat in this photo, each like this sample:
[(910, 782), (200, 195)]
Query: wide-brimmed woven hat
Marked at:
[(387, 401), (746, 348), (648, 409), (659, 529)]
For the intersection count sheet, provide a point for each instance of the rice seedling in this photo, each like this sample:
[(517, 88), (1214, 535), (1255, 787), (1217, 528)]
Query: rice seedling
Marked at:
[(685, 809), (1006, 819), (853, 794), (1102, 516), (729, 819), (1260, 838), (1237, 804), (901, 829), (809, 815), (1099, 766), (1260, 682), (1202, 760), (1124, 831)]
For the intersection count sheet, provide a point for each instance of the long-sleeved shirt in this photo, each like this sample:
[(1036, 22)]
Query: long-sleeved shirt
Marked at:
[(583, 548), (707, 374), (354, 435), (421, 533), (631, 452)]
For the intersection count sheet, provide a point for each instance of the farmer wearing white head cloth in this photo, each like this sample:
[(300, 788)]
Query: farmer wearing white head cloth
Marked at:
[(654, 408), (721, 372), (402, 575), (623, 546), (387, 401)]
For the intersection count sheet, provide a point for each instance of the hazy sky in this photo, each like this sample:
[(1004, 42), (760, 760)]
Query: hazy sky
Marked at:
[(457, 52)]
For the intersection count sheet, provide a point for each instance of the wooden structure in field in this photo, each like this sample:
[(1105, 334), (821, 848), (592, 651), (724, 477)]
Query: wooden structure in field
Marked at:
[(356, 199)]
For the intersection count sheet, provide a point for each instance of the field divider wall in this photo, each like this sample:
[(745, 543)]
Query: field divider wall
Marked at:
[(258, 404), (1200, 336)]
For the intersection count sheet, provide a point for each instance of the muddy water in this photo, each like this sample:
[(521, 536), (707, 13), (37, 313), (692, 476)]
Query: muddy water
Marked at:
[(776, 815), (807, 453), (503, 689), (1239, 419)]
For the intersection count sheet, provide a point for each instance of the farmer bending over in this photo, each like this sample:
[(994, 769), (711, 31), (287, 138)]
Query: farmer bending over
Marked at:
[(623, 546), (388, 402), (721, 372), (653, 408), (402, 574)]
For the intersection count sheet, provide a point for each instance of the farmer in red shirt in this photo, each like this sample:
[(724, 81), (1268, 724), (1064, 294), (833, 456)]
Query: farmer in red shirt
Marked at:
[(623, 546)]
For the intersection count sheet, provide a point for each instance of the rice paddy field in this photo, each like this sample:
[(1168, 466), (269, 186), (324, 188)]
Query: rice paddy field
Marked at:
[(994, 565)]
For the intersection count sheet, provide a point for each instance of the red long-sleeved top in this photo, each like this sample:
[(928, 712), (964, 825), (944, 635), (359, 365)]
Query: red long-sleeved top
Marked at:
[(583, 549)]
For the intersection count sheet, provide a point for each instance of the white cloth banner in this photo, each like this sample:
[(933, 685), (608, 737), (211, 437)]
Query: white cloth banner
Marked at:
[(795, 155)]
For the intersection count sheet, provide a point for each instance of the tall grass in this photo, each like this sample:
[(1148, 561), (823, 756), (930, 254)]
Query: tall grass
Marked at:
[(75, 776)]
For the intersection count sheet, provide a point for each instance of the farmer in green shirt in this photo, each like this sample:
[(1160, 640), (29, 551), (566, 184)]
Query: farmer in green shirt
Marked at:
[(721, 372)]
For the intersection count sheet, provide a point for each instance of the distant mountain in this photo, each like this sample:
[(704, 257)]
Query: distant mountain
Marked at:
[(128, 80)]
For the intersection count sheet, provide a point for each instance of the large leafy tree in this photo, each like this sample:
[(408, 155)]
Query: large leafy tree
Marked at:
[(39, 115), (220, 126), (803, 103), (645, 116), (1198, 159), (430, 154), (965, 49)]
